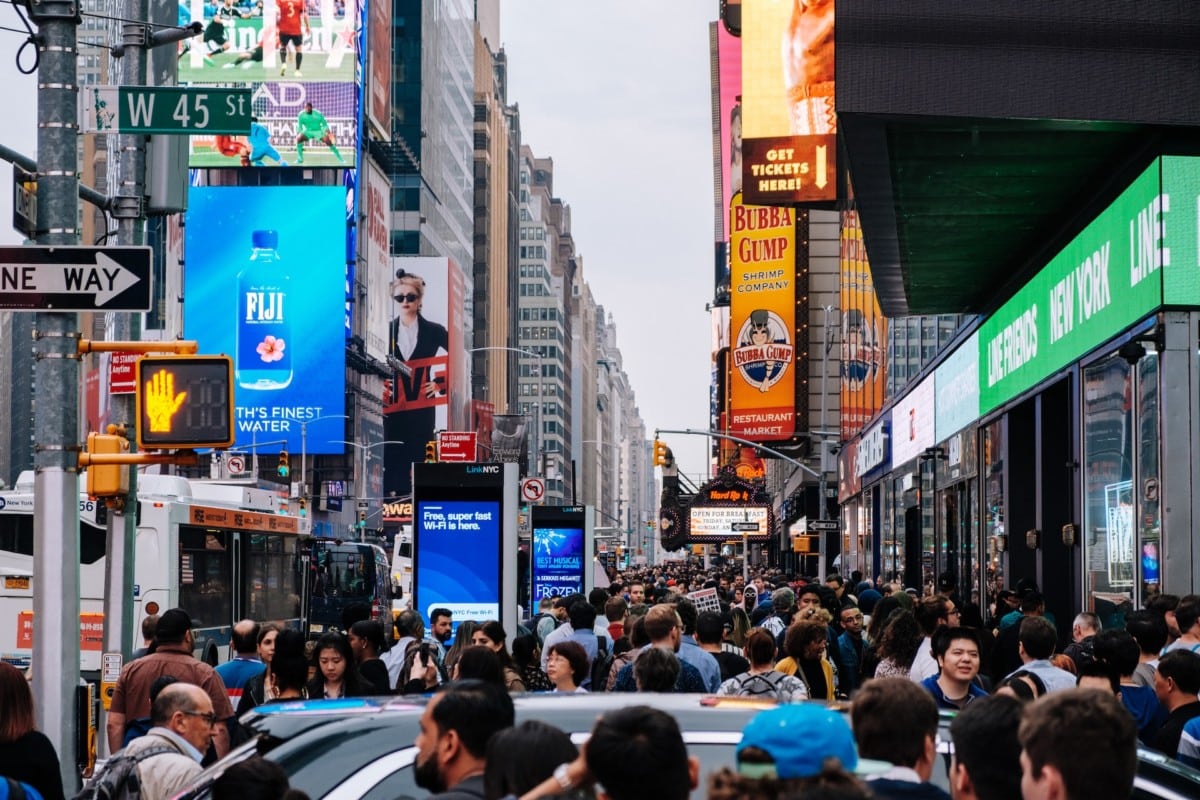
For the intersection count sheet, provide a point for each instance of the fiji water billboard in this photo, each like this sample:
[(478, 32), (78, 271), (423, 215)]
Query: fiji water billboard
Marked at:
[(264, 282)]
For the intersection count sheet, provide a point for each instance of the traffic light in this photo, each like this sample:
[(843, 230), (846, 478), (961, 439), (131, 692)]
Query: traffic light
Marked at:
[(107, 480), (662, 453), (184, 402), (284, 468), (303, 507), (430, 452), (362, 518)]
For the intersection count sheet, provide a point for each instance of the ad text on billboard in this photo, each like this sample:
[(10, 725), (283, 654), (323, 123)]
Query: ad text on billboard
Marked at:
[(789, 124), (264, 272), (762, 374)]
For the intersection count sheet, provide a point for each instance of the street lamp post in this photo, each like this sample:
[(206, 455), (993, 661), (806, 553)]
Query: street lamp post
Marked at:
[(537, 442), (360, 478), (304, 452)]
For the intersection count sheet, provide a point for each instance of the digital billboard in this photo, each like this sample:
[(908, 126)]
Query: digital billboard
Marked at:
[(429, 388), (465, 541), (376, 245), (789, 125), (264, 270), (729, 76), (458, 558), (863, 335), (299, 59), (379, 66), (762, 319), (561, 552)]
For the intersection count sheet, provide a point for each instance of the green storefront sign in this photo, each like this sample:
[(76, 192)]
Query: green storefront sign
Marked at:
[(1110, 276)]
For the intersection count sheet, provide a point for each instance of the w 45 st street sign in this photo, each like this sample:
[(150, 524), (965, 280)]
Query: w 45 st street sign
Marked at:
[(164, 109)]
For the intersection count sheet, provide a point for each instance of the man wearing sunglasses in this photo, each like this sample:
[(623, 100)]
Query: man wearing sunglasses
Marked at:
[(184, 726)]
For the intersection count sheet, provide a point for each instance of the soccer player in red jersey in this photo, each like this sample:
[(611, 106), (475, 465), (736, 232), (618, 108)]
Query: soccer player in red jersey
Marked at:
[(293, 24)]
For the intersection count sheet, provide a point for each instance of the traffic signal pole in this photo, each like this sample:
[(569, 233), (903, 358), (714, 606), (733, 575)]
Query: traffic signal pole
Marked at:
[(121, 531), (56, 412)]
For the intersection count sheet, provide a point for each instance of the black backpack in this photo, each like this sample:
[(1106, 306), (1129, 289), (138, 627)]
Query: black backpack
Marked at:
[(601, 666), (119, 780)]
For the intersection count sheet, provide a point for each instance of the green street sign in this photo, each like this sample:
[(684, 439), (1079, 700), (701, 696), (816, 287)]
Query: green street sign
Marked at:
[(164, 109)]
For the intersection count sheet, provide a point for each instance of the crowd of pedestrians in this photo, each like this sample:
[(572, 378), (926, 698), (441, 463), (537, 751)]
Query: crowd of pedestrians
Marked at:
[(897, 657)]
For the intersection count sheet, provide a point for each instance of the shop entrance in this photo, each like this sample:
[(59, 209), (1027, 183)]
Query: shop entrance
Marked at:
[(1041, 463)]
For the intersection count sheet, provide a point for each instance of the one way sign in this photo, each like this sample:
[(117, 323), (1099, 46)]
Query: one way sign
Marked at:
[(75, 278)]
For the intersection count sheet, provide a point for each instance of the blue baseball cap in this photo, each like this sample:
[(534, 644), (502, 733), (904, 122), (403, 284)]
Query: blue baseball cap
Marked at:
[(799, 737)]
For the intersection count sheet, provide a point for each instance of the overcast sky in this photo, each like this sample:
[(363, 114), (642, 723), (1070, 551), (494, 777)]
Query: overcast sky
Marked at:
[(617, 93)]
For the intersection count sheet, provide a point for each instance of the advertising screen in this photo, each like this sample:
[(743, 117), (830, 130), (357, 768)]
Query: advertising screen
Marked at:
[(864, 333), (429, 390), (293, 54), (263, 282), (788, 124), (376, 253), (379, 88), (762, 366), (557, 563), (458, 558)]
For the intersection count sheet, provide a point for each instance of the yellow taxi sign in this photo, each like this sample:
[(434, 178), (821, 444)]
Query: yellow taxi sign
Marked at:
[(184, 402)]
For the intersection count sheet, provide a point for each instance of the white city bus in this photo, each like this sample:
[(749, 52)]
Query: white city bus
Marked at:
[(195, 549)]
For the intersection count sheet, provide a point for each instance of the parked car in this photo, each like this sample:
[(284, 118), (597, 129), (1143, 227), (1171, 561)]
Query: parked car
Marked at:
[(362, 748)]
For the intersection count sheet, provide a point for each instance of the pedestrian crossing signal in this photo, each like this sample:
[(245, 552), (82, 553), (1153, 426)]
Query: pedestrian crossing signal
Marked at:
[(184, 402)]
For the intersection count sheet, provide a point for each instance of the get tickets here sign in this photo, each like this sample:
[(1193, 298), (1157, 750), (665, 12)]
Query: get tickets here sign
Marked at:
[(762, 322)]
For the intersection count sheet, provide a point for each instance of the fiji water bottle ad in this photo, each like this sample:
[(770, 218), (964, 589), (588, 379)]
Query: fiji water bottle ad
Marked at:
[(264, 282)]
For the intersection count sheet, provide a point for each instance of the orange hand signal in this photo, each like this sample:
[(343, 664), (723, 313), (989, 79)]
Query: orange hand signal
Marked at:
[(161, 401)]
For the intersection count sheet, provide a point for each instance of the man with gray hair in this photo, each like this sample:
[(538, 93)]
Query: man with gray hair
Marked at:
[(1083, 635), (184, 726)]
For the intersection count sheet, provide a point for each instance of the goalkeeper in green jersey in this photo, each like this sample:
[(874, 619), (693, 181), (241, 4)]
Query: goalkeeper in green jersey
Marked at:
[(311, 124)]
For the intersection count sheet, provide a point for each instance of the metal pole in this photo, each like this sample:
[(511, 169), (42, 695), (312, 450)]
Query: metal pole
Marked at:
[(56, 413), (131, 230), (822, 483), (303, 461)]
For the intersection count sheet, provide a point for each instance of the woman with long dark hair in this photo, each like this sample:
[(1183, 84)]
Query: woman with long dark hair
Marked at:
[(527, 660), (289, 668), (521, 758), (25, 754), (337, 675), (901, 639), (258, 689), (463, 635), (367, 644), (492, 636)]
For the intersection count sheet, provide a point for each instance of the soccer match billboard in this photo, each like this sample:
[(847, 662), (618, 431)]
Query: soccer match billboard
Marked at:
[(264, 271), (789, 122), (299, 60)]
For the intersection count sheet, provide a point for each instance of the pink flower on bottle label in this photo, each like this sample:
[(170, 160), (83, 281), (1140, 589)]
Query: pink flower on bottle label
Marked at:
[(271, 349)]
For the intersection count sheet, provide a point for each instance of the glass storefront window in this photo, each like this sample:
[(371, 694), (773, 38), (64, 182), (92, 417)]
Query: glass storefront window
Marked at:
[(1109, 539), (1149, 516), (893, 543), (995, 529), (865, 526)]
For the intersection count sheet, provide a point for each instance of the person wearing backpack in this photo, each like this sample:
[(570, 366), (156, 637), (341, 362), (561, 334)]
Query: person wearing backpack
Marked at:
[(762, 679), (168, 757)]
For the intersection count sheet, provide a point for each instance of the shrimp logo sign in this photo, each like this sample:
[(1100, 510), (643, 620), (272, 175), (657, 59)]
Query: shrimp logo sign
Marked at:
[(762, 319), (764, 351)]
